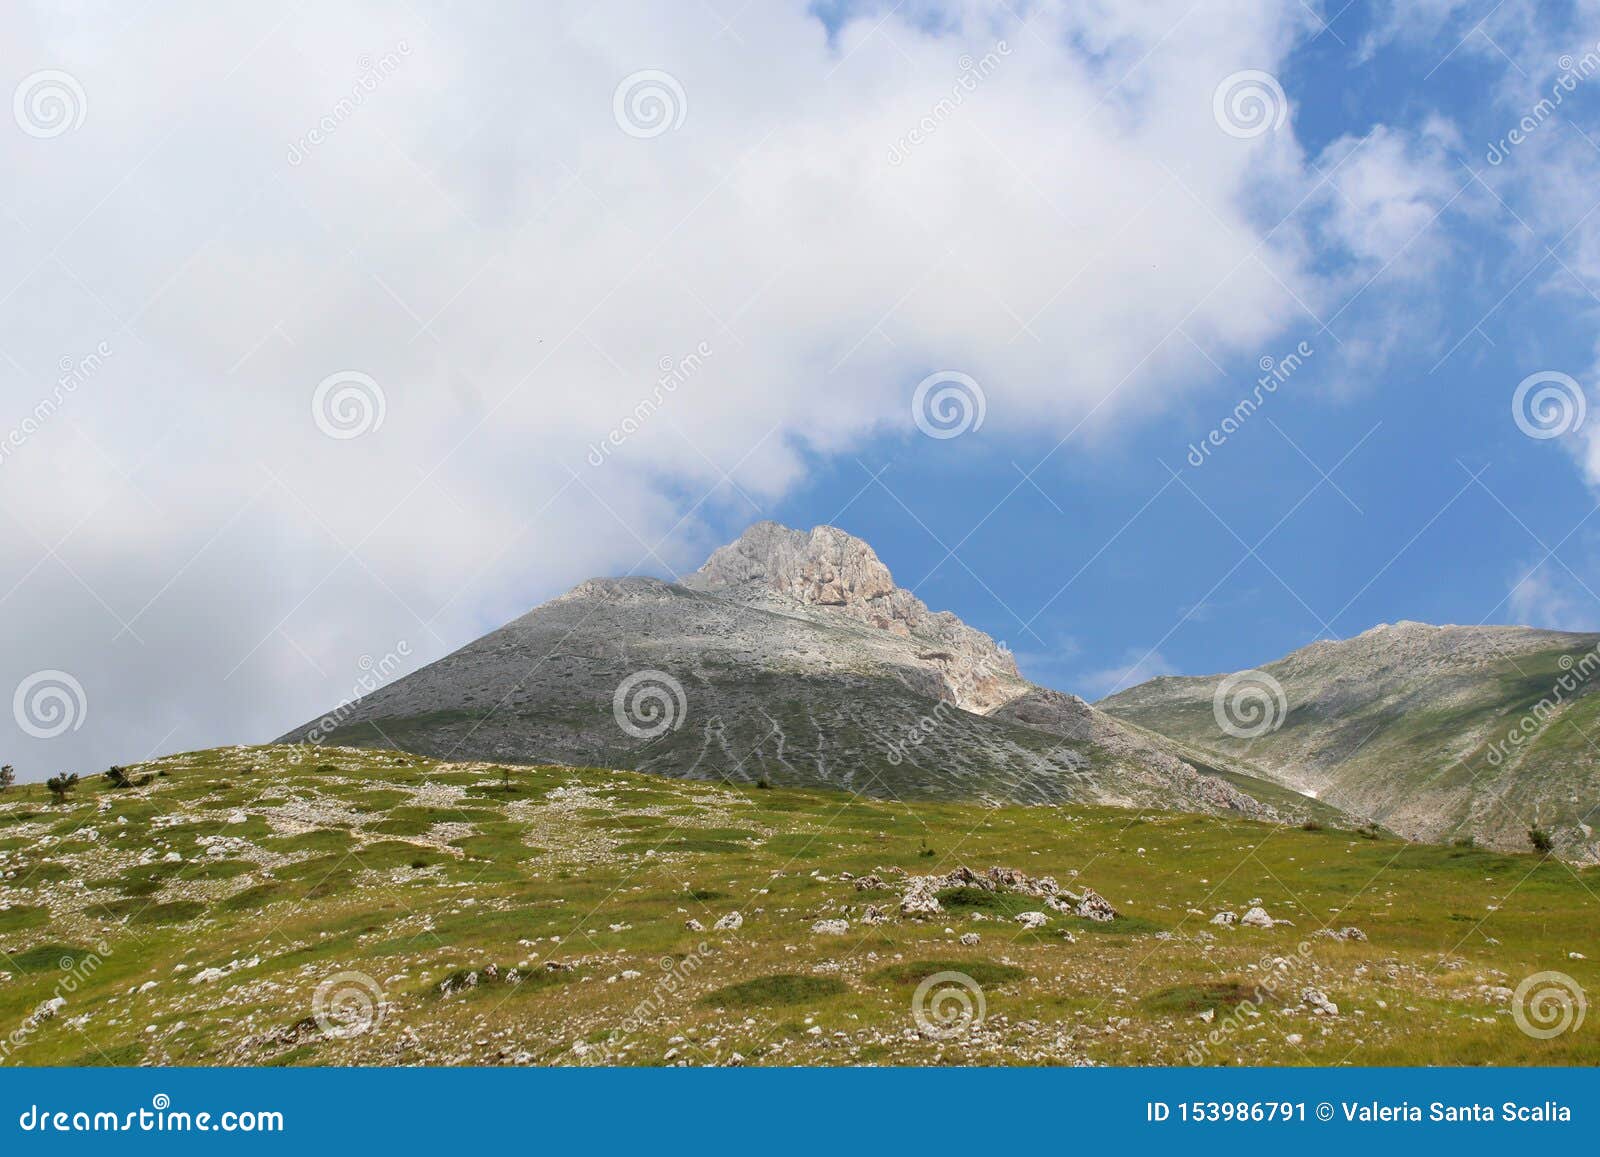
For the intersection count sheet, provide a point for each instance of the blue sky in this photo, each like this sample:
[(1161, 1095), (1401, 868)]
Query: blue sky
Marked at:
[(1439, 506), (309, 324)]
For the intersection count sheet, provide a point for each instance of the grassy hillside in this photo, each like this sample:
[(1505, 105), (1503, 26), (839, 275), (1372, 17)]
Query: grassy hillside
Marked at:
[(243, 908), (1409, 728)]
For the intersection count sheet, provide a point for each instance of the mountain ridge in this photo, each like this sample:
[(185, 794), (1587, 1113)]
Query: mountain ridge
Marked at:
[(1445, 732), (790, 657)]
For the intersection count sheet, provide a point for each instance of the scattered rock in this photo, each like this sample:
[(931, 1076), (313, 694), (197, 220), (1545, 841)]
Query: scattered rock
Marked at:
[(1338, 934), (1225, 918), (969, 938), (1032, 919), (1257, 918), (1319, 1002), (831, 927), (732, 922)]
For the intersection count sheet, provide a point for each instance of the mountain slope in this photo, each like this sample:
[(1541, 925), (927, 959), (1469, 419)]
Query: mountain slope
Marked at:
[(791, 657), (1411, 726), (243, 906)]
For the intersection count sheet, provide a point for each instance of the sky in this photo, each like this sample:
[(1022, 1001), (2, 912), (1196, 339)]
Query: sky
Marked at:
[(1149, 339)]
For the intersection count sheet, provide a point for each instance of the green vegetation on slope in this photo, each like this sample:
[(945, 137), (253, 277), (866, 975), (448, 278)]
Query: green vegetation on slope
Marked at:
[(242, 907)]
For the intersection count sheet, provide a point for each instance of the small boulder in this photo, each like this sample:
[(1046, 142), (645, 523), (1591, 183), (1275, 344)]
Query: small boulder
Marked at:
[(1032, 919), (1257, 918), (1094, 906), (1319, 1002), (732, 922), (1338, 934), (831, 927)]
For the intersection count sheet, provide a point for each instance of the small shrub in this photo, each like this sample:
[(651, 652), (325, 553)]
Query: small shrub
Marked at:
[(1543, 842), (8, 776), (60, 785), (1311, 826), (119, 777)]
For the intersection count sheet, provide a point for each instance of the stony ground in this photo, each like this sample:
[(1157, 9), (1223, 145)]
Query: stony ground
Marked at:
[(256, 906)]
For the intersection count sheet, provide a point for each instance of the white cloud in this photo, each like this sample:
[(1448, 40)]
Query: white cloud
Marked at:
[(477, 234), (1546, 594), (1137, 666)]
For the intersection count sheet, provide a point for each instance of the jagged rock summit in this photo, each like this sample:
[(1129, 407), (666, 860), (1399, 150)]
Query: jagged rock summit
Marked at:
[(773, 566), (790, 656)]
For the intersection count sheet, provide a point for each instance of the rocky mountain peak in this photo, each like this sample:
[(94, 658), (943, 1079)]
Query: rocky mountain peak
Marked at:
[(826, 567), (830, 572)]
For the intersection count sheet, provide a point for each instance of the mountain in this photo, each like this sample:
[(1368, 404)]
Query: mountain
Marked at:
[(790, 657), (1411, 726)]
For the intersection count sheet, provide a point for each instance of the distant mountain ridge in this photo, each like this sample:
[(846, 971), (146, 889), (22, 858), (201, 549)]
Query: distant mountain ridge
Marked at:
[(1436, 732), (790, 656)]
